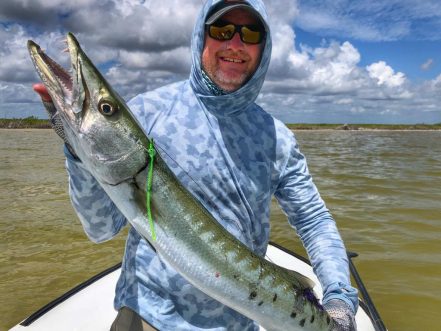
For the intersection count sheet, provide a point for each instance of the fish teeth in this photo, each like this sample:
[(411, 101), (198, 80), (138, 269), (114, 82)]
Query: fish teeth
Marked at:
[(63, 42)]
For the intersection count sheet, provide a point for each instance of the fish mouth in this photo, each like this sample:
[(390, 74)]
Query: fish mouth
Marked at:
[(56, 78), (66, 87), (75, 93)]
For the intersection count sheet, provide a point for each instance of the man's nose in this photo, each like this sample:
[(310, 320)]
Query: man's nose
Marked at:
[(235, 42)]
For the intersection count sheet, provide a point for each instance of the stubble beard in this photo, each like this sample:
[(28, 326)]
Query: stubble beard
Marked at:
[(228, 83), (225, 81)]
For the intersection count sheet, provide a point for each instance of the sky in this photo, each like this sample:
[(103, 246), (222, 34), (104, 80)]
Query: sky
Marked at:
[(338, 61)]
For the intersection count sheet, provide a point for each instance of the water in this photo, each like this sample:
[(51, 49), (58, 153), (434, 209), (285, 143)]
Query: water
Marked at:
[(383, 189)]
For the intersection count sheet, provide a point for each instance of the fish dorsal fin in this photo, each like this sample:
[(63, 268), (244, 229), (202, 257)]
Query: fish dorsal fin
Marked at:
[(302, 280)]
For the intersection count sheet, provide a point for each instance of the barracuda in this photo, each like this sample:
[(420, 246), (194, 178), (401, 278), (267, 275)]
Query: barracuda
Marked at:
[(113, 147)]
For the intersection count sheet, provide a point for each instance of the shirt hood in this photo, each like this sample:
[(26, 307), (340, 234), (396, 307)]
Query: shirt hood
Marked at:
[(241, 99)]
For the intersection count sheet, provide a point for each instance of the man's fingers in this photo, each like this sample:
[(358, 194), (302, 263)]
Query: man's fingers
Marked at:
[(42, 91), (47, 100)]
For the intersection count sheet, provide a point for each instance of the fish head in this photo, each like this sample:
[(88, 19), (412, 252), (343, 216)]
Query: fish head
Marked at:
[(97, 123)]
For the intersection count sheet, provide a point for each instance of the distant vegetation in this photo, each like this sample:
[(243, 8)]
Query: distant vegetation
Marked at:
[(364, 126), (33, 122), (24, 123)]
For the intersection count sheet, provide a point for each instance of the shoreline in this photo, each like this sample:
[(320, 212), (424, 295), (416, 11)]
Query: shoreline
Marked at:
[(36, 123), (24, 123), (25, 129), (365, 127), (293, 130)]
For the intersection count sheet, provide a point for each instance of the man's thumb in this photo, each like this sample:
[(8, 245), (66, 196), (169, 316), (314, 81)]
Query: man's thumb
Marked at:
[(42, 91)]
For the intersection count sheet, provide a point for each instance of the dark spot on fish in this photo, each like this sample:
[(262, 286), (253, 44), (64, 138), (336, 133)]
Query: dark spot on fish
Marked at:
[(328, 320), (253, 295), (260, 303), (217, 274), (302, 322), (235, 276), (275, 297), (293, 314), (312, 319)]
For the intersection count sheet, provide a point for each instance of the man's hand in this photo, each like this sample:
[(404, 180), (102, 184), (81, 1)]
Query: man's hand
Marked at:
[(42, 91), (342, 315), (54, 117)]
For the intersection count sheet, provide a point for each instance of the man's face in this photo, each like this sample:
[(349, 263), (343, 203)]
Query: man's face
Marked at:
[(231, 63)]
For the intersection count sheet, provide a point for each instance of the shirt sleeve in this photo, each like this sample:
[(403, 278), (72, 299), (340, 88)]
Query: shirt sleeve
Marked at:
[(100, 218), (307, 213)]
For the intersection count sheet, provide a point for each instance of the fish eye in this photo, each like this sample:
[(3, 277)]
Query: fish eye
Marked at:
[(106, 107)]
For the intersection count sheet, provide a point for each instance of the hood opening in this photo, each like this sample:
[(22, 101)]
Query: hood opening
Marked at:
[(242, 98)]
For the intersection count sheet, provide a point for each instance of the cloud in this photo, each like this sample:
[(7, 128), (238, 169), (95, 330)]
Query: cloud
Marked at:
[(137, 48), (136, 25), (42, 14), (136, 35), (372, 21), (331, 69), (385, 75), (427, 65), (437, 81)]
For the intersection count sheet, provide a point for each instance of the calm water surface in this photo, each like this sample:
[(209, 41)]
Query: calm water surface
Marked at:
[(383, 189)]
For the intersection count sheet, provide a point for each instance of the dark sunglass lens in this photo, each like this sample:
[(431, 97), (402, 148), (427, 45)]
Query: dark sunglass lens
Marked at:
[(221, 32), (251, 36)]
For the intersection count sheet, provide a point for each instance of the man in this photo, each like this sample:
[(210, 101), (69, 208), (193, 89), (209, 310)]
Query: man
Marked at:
[(237, 157)]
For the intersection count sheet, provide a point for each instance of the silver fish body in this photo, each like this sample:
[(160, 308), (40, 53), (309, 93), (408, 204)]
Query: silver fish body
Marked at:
[(113, 147)]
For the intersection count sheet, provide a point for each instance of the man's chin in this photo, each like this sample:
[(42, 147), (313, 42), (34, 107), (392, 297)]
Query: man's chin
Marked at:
[(230, 82)]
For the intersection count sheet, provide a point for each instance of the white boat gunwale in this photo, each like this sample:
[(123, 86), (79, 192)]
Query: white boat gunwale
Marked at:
[(65, 296), (369, 307)]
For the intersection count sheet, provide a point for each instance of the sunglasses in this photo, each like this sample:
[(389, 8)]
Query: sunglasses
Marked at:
[(249, 34)]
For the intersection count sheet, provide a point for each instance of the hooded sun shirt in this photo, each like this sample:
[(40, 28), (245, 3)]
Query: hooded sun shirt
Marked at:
[(233, 157)]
